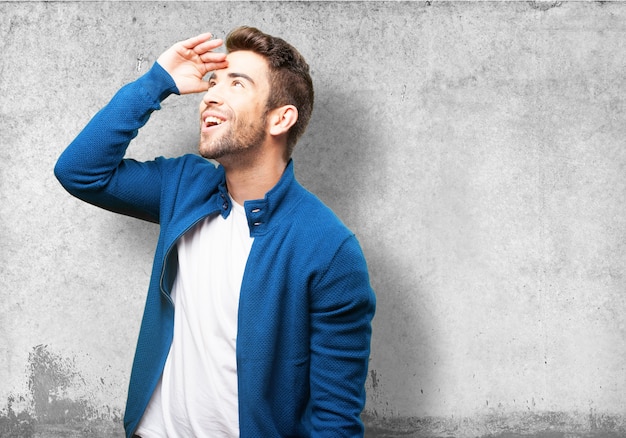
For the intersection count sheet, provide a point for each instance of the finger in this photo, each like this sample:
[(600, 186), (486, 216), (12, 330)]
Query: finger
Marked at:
[(212, 66), (195, 41), (207, 46), (212, 57), (202, 87)]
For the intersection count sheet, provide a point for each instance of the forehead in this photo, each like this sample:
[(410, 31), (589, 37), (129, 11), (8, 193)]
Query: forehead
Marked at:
[(248, 63)]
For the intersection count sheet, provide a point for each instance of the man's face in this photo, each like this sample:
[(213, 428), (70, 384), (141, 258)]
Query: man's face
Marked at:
[(233, 111)]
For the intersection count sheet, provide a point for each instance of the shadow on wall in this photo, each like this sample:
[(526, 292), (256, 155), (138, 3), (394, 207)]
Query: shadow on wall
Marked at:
[(347, 163), (57, 403)]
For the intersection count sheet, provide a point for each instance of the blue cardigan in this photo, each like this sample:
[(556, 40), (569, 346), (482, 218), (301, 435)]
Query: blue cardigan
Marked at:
[(305, 306)]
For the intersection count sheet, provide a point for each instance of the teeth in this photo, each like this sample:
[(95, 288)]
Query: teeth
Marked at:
[(211, 120)]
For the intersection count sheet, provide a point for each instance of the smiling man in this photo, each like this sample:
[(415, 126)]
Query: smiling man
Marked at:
[(258, 314)]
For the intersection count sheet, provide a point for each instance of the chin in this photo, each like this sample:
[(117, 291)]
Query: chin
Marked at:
[(207, 148), (209, 154)]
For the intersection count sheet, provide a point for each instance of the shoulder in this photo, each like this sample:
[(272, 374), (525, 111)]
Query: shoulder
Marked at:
[(189, 185), (319, 234), (190, 169), (318, 217)]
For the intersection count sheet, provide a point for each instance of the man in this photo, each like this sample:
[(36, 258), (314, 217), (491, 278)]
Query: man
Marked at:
[(258, 315)]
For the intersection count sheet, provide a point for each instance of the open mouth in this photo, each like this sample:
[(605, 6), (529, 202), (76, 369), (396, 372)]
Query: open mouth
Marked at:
[(210, 121)]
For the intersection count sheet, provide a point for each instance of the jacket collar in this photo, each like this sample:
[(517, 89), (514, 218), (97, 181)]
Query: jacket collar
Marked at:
[(264, 213)]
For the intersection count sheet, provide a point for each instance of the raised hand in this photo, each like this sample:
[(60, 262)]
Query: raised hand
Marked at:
[(190, 60)]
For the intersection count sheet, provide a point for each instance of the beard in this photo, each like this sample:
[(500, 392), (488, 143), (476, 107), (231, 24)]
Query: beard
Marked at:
[(238, 140)]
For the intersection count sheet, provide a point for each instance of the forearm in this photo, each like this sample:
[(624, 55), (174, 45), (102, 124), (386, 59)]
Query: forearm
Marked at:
[(91, 165)]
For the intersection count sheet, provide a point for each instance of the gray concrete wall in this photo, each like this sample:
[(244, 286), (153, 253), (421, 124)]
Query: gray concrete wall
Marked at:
[(477, 150)]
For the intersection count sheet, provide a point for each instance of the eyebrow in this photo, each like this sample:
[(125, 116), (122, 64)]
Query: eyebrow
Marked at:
[(235, 75)]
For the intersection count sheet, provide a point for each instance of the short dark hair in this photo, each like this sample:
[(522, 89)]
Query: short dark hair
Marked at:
[(289, 78)]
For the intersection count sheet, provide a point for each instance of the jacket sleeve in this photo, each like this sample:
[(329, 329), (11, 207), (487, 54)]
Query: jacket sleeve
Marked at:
[(342, 309), (93, 167)]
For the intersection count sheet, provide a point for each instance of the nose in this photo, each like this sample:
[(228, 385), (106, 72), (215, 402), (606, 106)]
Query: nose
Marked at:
[(213, 95)]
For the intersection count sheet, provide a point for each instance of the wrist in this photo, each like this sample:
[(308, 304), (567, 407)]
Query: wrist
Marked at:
[(159, 82)]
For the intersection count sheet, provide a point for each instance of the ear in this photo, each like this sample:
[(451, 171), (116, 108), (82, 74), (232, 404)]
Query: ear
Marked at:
[(281, 119)]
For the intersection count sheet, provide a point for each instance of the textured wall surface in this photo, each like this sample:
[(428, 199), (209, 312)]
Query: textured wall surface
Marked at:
[(477, 150)]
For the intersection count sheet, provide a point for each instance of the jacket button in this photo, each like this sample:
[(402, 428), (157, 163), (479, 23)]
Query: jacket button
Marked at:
[(225, 205)]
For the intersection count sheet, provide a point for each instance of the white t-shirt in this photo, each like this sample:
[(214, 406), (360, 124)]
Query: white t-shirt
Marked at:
[(197, 394)]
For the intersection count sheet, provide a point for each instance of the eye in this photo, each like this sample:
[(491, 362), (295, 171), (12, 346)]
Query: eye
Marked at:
[(211, 84), (238, 84)]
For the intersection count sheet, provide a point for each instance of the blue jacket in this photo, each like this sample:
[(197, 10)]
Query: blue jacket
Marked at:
[(305, 305)]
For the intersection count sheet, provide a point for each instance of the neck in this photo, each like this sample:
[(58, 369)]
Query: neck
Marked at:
[(252, 179)]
